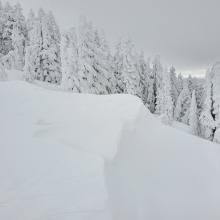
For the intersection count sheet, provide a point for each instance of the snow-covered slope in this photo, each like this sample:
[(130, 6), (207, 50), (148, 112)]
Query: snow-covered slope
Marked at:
[(71, 156)]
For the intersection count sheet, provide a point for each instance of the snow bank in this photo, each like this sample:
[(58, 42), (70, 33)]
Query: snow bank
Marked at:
[(52, 150), (72, 156), (160, 173)]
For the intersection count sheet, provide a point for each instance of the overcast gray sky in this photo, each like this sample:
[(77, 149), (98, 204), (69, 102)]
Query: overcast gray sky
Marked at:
[(186, 33)]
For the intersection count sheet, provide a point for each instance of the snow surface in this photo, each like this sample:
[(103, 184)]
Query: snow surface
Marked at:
[(74, 156), (14, 74), (181, 126)]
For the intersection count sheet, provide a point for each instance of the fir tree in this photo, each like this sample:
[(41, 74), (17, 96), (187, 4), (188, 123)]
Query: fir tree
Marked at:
[(95, 63), (207, 117), (45, 49), (70, 61), (144, 71), (120, 85), (174, 85), (167, 101), (181, 112), (127, 69), (158, 75), (193, 116)]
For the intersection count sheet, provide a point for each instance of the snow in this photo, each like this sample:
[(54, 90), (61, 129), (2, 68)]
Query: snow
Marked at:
[(79, 156), (181, 126), (14, 74), (160, 173)]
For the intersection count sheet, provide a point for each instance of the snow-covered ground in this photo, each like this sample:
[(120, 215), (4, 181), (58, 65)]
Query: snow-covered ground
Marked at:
[(73, 156), (14, 74), (181, 126)]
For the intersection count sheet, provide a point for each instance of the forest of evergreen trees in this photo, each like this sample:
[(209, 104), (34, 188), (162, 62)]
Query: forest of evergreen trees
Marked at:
[(80, 60)]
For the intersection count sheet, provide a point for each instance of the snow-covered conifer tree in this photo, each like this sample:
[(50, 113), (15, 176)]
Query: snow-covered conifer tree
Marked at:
[(179, 83), (144, 71), (30, 22), (216, 92), (1, 28), (193, 116), (151, 96), (158, 74), (167, 101), (95, 63), (102, 63), (181, 111), (120, 85), (29, 68), (8, 19), (32, 69), (210, 116), (207, 117), (13, 36), (199, 87), (190, 83), (174, 85), (19, 36), (127, 71), (132, 77), (70, 61), (45, 49), (215, 74), (50, 51)]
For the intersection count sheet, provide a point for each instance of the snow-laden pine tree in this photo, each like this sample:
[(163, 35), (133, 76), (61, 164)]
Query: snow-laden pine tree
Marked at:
[(32, 68), (13, 35), (190, 83), (19, 36), (103, 62), (70, 61), (216, 97), (44, 48), (7, 20), (207, 117), (167, 101), (95, 64), (127, 70), (216, 91), (31, 48), (174, 85), (179, 83), (1, 29), (193, 116), (144, 71), (132, 77), (210, 116), (18, 43), (30, 63), (181, 112), (151, 96), (120, 85), (157, 72), (50, 52), (30, 22), (199, 87)]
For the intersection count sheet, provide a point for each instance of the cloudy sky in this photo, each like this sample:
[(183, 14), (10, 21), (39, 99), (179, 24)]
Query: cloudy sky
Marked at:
[(186, 33)]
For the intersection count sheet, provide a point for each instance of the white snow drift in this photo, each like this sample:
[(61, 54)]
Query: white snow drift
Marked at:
[(71, 156)]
